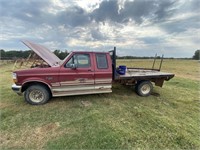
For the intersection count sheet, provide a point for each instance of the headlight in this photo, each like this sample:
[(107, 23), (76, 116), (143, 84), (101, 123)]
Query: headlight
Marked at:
[(14, 75)]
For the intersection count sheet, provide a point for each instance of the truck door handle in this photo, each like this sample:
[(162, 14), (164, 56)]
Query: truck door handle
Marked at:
[(90, 70)]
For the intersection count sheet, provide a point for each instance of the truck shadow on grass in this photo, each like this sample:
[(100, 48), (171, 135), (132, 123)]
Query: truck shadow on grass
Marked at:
[(119, 93)]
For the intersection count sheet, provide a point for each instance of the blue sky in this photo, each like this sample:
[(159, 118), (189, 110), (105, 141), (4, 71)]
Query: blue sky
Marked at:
[(135, 27)]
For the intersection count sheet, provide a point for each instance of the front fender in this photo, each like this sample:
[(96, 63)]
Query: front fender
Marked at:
[(29, 81)]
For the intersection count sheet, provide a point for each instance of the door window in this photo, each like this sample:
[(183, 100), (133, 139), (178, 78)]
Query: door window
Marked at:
[(80, 60)]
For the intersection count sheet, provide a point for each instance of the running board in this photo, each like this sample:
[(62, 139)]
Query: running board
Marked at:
[(82, 92)]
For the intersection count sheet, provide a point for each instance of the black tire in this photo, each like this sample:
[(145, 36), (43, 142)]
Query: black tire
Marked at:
[(144, 88), (36, 95)]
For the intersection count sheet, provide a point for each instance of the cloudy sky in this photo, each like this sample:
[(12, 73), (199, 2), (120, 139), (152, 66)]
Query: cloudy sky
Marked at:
[(135, 27)]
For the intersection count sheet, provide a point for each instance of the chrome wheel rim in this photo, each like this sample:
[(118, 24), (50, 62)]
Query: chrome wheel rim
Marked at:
[(36, 96), (145, 89)]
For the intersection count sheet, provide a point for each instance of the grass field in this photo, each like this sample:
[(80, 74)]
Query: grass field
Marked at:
[(167, 119)]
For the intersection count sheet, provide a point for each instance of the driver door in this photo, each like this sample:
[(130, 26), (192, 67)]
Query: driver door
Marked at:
[(77, 75)]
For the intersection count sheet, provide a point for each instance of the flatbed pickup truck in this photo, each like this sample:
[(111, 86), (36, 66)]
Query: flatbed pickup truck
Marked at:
[(79, 73)]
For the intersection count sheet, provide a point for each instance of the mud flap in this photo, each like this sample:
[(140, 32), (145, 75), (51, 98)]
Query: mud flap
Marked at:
[(159, 82)]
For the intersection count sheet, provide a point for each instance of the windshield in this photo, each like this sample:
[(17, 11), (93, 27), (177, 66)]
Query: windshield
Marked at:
[(64, 60)]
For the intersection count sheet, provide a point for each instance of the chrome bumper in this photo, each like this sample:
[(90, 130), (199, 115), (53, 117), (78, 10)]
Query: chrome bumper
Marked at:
[(17, 89)]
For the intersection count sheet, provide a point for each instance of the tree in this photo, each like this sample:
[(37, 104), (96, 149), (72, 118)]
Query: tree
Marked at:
[(61, 54), (196, 55), (2, 53)]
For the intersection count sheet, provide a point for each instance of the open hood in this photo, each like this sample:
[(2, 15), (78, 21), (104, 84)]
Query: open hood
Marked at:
[(43, 53)]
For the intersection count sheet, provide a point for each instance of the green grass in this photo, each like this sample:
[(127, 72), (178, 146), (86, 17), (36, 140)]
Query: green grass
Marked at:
[(168, 119)]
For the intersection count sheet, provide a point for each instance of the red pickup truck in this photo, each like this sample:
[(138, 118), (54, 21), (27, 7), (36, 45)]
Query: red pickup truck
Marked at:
[(79, 73)]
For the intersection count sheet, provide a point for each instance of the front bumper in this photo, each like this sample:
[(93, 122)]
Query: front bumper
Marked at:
[(17, 89)]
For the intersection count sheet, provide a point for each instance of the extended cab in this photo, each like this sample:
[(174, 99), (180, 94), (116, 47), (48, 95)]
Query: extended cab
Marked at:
[(79, 73)]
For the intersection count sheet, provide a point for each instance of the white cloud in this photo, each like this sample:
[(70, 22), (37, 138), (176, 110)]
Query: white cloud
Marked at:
[(170, 26), (88, 5)]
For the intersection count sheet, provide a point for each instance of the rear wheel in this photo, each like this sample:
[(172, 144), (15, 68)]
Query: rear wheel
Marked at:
[(144, 88), (36, 95)]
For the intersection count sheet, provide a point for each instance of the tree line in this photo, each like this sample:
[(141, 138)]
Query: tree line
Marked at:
[(13, 54), (7, 55)]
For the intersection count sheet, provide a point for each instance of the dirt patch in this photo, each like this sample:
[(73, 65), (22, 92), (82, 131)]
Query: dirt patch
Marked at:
[(5, 139), (47, 128), (155, 94), (86, 103), (34, 138), (40, 135), (4, 105)]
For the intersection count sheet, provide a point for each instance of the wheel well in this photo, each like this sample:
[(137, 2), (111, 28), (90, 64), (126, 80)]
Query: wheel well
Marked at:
[(139, 81), (26, 85)]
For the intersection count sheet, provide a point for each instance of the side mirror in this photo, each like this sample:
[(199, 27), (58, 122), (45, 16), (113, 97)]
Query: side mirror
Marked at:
[(73, 66)]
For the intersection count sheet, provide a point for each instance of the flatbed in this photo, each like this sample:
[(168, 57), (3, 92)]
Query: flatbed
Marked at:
[(141, 73), (142, 78)]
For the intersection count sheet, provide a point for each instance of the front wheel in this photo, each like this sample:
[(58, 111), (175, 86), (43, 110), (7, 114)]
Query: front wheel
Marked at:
[(36, 95), (144, 88)]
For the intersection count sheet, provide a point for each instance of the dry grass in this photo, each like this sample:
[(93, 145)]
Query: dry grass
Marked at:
[(32, 137)]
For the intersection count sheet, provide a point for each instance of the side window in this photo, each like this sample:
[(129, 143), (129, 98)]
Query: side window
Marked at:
[(80, 60), (101, 61)]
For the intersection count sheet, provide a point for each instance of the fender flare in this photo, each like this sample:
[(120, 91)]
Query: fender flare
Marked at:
[(29, 82)]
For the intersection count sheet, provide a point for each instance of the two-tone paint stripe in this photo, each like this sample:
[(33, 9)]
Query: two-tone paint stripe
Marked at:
[(81, 87), (77, 82), (82, 81), (99, 81)]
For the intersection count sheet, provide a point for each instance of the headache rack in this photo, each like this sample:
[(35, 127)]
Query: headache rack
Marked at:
[(114, 67)]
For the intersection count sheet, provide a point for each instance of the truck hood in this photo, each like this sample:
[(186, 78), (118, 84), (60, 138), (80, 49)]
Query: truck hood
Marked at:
[(43, 53)]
